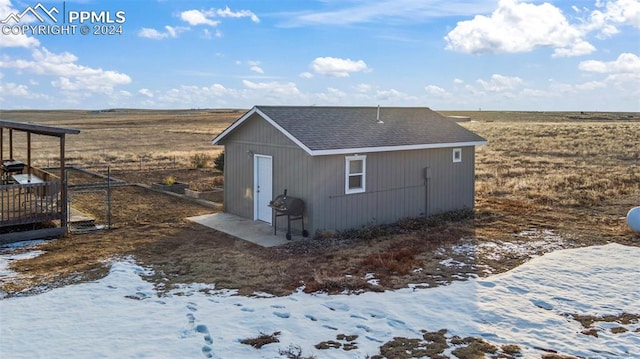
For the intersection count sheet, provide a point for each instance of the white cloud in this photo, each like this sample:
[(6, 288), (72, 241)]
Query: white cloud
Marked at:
[(197, 17), (392, 95), (336, 67), (146, 92), (206, 33), (255, 66), (306, 75), (208, 17), (363, 88), (193, 96), (13, 89), (499, 83), (226, 12), (171, 32), (625, 63), (626, 12), (387, 11), (151, 33), (273, 88), (71, 76), (591, 85), (580, 47), (458, 81), (331, 95), (518, 27), (437, 91)]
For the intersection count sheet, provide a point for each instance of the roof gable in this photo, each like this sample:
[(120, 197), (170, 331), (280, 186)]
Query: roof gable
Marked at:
[(341, 130)]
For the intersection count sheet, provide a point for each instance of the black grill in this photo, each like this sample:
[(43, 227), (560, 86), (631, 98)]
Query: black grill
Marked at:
[(9, 167), (291, 207), (12, 166)]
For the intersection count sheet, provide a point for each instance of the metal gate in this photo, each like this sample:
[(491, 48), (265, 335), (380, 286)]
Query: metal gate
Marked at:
[(89, 209)]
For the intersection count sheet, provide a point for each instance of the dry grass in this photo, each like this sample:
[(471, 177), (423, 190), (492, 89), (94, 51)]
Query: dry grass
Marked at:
[(262, 340), (580, 177), (555, 171), (127, 138)]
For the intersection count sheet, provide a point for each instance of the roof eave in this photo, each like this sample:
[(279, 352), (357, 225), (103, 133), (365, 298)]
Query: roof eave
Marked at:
[(255, 109), (344, 151)]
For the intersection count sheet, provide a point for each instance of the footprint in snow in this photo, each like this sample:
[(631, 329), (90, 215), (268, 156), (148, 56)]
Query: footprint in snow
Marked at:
[(278, 306), (283, 315), (311, 317), (395, 323), (518, 290), (208, 339), (356, 316), (191, 318), (337, 306), (192, 307), (249, 310), (541, 304), (207, 351), (201, 328), (486, 284), (373, 339), (376, 314), (363, 327)]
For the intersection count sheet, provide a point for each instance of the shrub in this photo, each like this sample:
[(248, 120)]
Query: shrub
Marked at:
[(262, 340), (323, 282), (169, 181), (399, 261), (218, 162), (199, 160)]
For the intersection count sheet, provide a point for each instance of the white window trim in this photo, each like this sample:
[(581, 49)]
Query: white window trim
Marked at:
[(458, 157), (347, 161)]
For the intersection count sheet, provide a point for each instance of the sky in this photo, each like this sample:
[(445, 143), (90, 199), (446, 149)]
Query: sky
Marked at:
[(531, 306), (558, 55)]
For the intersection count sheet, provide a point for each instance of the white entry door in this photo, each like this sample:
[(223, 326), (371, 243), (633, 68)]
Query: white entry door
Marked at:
[(262, 187)]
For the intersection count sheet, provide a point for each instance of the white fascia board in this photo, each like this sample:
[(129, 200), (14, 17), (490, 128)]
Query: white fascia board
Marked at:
[(233, 126), (266, 118), (344, 151), (285, 132)]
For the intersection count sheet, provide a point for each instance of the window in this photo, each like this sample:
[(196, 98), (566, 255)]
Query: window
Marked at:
[(457, 155), (355, 177)]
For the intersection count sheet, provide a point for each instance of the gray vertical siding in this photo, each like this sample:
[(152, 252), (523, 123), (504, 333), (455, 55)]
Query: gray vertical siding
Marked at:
[(395, 188), (395, 185)]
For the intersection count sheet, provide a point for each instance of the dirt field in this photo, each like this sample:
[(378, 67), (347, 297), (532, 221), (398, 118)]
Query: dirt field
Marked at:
[(545, 181)]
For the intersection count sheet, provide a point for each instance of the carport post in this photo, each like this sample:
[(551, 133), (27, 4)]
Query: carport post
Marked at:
[(63, 185)]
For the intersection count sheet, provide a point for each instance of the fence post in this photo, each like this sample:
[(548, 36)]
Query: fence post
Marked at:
[(108, 197)]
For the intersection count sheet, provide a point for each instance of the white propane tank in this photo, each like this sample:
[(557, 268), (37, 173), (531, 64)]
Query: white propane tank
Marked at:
[(633, 219)]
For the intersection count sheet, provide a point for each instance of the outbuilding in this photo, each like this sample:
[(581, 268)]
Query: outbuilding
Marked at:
[(352, 166)]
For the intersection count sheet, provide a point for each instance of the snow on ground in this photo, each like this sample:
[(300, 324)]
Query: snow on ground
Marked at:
[(121, 316)]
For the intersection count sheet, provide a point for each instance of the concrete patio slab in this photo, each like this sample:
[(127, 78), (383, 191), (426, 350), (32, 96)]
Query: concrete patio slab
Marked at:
[(258, 232)]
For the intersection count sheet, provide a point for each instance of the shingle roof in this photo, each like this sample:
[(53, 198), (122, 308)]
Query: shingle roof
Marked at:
[(335, 130)]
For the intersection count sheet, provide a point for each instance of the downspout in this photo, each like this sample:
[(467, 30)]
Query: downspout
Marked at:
[(427, 176)]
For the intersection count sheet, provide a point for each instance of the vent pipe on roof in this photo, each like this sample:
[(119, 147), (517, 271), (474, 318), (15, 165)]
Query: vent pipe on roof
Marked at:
[(378, 116)]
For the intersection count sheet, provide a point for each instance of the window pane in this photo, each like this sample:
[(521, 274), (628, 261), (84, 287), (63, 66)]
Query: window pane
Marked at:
[(355, 166), (355, 182)]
